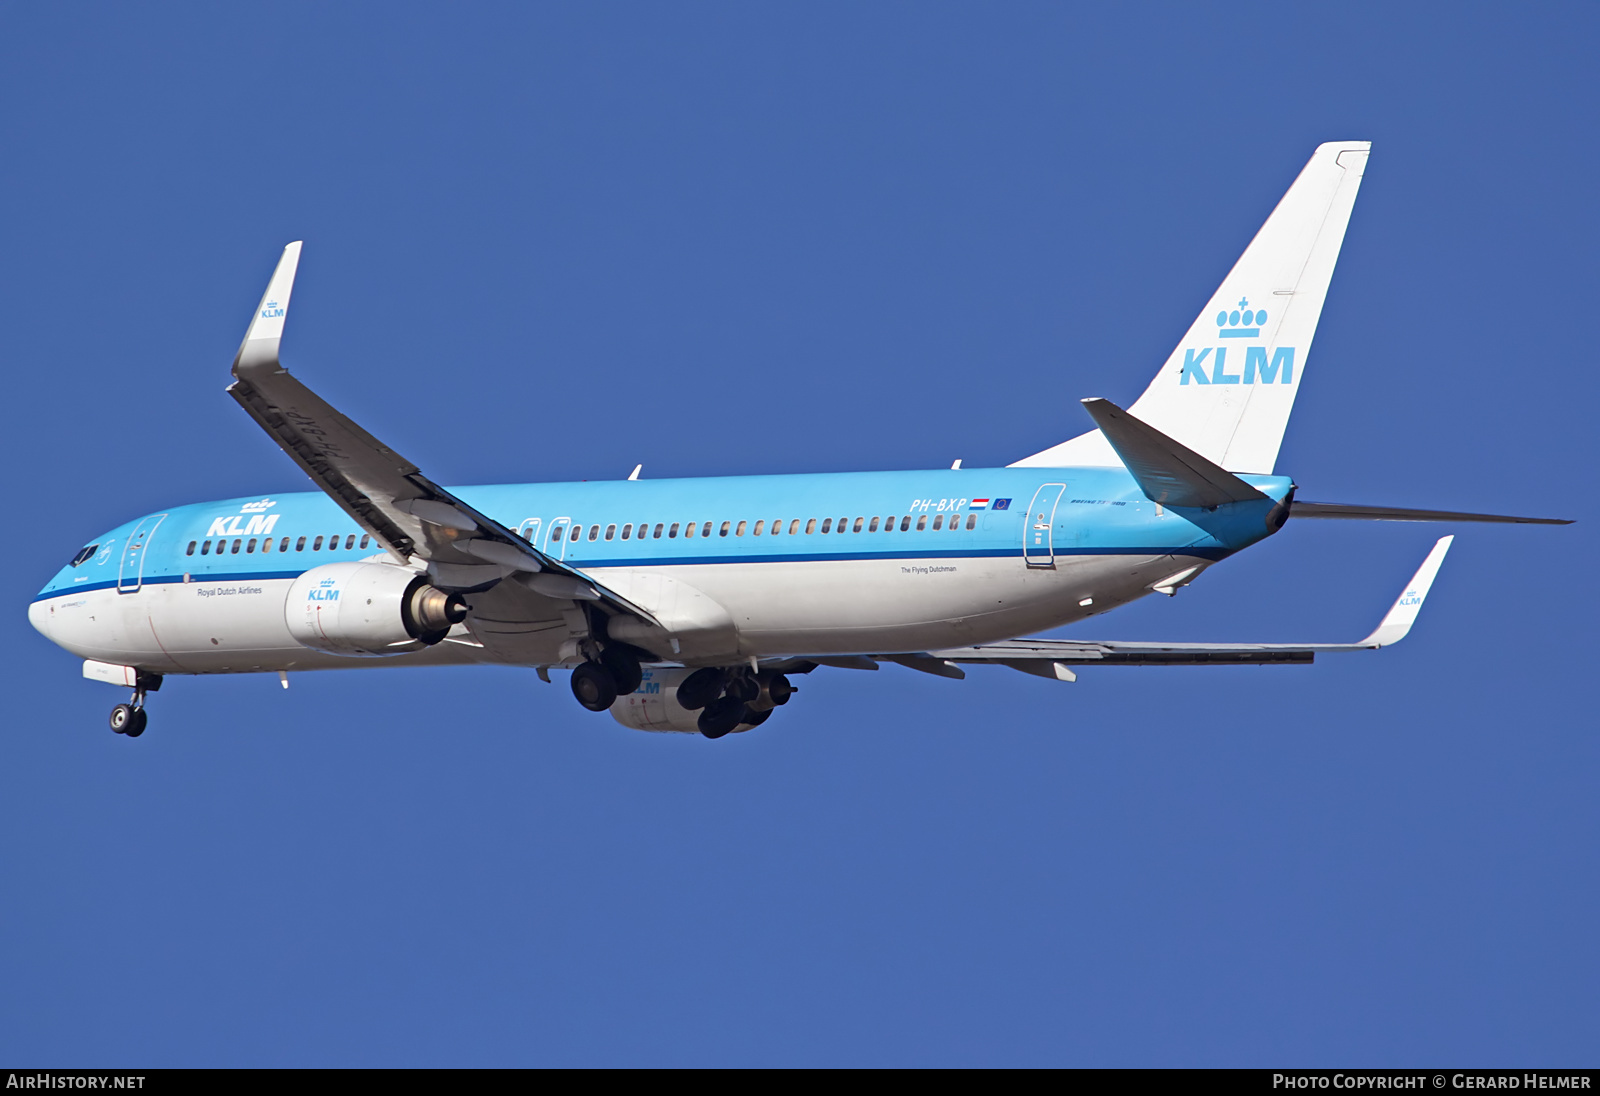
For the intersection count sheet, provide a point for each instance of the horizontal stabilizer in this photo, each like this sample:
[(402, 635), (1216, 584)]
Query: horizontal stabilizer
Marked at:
[(1168, 473), (1395, 513)]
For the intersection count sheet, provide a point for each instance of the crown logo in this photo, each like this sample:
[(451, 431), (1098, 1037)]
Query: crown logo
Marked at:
[(258, 507), (1242, 322)]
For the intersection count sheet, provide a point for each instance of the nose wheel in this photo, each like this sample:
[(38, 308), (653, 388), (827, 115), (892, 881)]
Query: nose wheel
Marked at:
[(130, 718)]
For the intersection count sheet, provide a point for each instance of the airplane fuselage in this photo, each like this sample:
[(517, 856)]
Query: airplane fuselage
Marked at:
[(756, 566)]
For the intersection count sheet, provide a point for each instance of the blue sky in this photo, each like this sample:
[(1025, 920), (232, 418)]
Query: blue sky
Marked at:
[(548, 242)]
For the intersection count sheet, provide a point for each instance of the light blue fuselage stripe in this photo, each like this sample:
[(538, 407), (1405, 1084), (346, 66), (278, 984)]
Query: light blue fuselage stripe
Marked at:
[(1101, 512)]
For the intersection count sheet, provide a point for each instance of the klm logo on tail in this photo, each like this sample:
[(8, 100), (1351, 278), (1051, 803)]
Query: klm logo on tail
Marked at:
[(1243, 322)]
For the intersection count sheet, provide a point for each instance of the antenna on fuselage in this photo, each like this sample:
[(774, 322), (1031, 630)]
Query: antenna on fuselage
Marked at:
[(633, 475)]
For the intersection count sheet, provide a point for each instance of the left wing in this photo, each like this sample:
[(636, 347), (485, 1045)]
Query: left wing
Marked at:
[(1056, 657), (414, 518)]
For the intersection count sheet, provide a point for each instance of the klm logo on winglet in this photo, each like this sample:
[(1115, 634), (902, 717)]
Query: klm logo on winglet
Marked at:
[(1210, 366), (271, 310)]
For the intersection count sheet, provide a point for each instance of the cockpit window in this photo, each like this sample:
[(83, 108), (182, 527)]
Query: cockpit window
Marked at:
[(85, 554)]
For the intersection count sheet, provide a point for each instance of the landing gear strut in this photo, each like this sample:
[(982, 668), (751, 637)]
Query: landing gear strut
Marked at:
[(130, 718)]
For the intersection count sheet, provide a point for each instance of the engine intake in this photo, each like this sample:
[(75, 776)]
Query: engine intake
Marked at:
[(369, 609)]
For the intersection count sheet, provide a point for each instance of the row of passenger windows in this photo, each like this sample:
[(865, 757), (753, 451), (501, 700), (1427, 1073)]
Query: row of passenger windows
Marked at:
[(222, 545), (829, 525), (578, 531)]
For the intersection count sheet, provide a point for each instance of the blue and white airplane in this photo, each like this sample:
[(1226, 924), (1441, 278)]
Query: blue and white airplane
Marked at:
[(687, 605)]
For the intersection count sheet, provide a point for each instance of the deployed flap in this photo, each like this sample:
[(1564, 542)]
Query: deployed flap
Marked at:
[(1228, 387), (386, 494), (1041, 656), (1167, 472), (1391, 513)]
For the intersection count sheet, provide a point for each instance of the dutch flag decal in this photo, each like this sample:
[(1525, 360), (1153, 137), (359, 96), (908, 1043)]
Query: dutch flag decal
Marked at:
[(979, 504)]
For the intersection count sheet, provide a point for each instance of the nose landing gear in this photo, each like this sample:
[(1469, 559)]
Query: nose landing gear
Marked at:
[(130, 718)]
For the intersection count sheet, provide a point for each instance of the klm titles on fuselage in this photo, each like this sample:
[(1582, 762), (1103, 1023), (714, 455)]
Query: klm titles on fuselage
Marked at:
[(1241, 323)]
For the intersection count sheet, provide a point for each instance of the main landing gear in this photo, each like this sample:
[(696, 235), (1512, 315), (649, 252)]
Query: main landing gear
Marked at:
[(598, 682), (130, 718), (730, 701)]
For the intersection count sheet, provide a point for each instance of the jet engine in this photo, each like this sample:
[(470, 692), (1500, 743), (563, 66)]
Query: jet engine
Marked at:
[(654, 706), (369, 609)]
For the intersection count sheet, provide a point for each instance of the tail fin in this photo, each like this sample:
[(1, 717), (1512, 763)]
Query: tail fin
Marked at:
[(1227, 390)]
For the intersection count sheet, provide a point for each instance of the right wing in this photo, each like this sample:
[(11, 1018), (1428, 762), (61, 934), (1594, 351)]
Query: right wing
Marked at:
[(1056, 657), (418, 521)]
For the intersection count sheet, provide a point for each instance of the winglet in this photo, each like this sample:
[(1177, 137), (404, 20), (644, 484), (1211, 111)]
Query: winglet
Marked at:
[(1399, 619), (259, 351)]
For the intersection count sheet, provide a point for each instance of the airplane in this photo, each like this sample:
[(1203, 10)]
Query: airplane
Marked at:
[(687, 605)]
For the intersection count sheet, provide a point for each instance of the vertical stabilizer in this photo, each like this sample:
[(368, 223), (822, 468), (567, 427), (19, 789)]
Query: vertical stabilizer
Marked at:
[(1227, 390)]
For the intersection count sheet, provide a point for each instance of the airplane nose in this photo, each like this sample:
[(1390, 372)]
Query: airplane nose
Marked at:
[(39, 616)]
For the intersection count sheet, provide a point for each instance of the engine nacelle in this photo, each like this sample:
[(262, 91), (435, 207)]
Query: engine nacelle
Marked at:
[(369, 609), (654, 706)]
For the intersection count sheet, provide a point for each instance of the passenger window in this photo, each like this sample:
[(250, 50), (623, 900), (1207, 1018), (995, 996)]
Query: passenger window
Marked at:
[(938, 521), (972, 521), (627, 530), (349, 542), (827, 525), (856, 528), (794, 527), (333, 543), (777, 526), (724, 530), (873, 528), (316, 545), (611, 532), (673, 531), (266, 544), (688, 530), (657, 533), (905, 523), (300, 545), (555, 534), (251, 547), (594, 532), (190, 552), (922, 523), (811, 525), (756, 532), (236, 547), (283, 545), (205, 548), (739, 532), (366, 540)]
